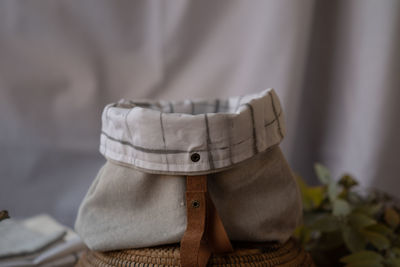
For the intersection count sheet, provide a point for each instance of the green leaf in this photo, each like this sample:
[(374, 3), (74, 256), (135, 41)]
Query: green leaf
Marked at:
[(392, 217), (333, 191), (369, 209), (326, 223), (347, 181), (353, 240), (392, 262), (302, 234), (341, 207), (380, 229), (323, 173), (364, 264), (353, 197), (312, 197), (377, 240), (329, 241), (310, 217), (396, 251), (315, 195), (359, 220), (363, 255)]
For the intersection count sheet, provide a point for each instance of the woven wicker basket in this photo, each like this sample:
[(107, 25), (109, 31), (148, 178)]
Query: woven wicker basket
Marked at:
[(245, 254)]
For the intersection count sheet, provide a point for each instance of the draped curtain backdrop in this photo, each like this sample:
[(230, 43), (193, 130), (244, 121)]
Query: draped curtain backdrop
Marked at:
[(334, 64)]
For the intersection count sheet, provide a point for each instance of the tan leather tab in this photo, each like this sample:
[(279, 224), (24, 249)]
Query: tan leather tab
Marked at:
[(191, 243), (196, 183), (205, 232)]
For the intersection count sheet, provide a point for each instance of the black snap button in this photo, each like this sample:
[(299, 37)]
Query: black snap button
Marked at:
[(195, 157), (195, 203)]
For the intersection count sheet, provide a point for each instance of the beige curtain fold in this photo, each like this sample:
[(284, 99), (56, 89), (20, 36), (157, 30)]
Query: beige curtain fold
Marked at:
[(334, 64)]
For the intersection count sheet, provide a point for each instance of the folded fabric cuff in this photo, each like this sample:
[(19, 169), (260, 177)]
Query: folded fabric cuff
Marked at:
[(188, 137)]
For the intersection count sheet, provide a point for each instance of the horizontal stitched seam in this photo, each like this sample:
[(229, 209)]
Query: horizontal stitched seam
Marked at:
[(163, 151), (177, 164)]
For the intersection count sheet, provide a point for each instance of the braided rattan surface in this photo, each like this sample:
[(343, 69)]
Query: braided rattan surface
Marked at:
[(250, 254)]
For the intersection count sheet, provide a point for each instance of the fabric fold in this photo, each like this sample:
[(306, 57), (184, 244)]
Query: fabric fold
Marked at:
[(162, 136)]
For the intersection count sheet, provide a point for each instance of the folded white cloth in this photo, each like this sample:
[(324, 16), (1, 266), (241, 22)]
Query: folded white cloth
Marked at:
[(138, 197), (161, 137), (38, 241), (18, 238)]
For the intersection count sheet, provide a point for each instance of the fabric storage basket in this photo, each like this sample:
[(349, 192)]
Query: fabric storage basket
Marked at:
[(148, 192)]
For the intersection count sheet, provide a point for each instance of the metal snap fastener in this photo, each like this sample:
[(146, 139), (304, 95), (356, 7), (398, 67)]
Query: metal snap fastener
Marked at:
[(195, 204), (195, 157)]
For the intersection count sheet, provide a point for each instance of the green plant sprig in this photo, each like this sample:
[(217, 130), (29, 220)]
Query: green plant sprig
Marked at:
[(342, 227)]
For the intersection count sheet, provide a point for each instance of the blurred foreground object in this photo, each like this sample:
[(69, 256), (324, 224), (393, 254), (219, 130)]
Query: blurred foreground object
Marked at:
[(343, 225), (4, 215), (38, 241)]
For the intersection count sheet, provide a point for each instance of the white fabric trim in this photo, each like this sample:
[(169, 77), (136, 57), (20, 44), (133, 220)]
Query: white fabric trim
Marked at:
[(162, 136)]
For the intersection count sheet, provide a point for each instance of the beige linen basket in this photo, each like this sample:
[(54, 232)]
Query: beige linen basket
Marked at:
[(193, 183)]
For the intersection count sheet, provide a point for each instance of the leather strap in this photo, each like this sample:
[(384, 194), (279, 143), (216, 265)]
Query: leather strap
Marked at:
[(205, 234)]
